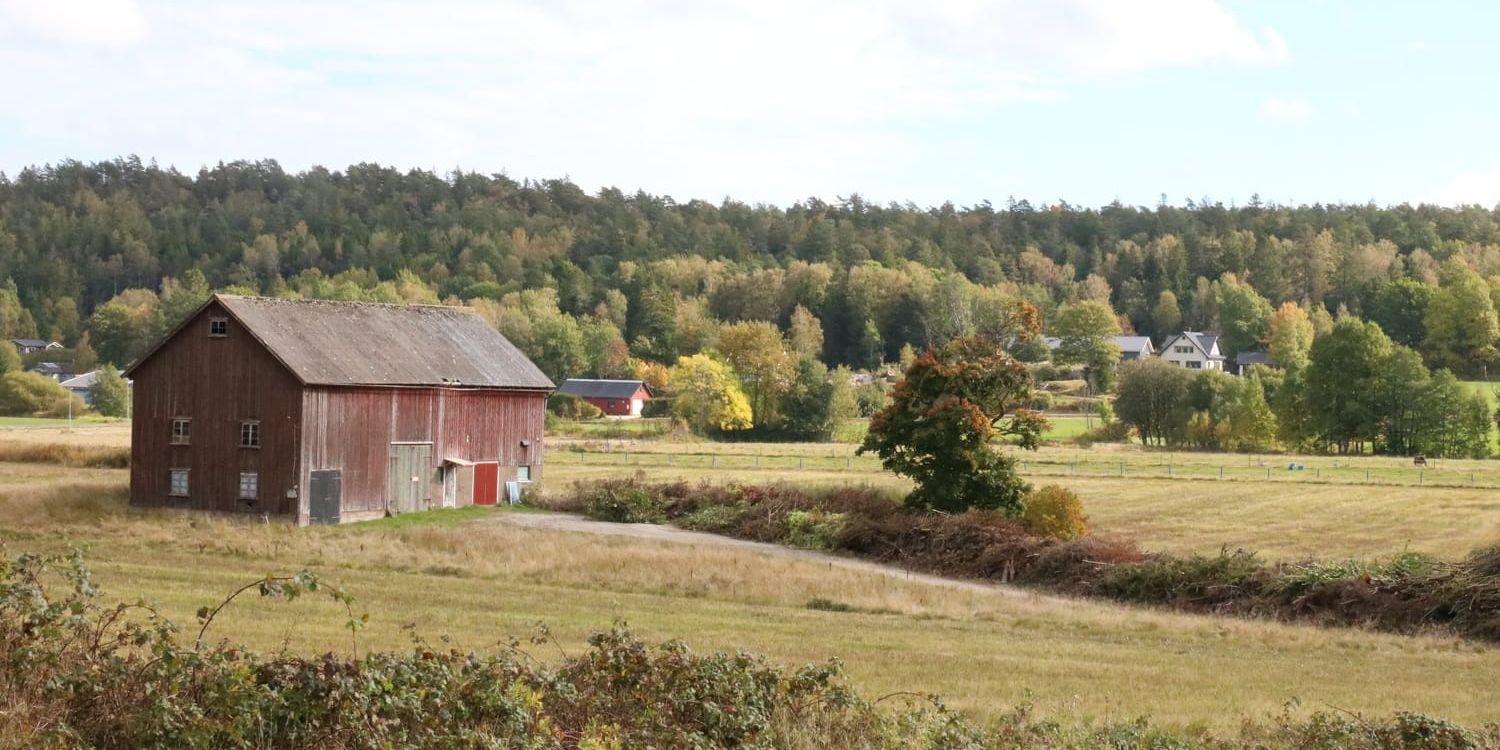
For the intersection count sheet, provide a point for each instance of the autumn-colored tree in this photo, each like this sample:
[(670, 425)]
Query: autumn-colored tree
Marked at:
[(945, 414), (1291, 335), (707, 396)]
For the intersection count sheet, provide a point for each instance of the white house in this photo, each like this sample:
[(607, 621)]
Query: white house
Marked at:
[(1193, 350)]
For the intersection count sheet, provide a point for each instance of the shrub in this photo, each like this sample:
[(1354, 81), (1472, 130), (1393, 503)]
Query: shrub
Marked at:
[(1116, 431), (621, 501), (813, 529), (1054, 512), (568, 406), (1198, 581), (28, 394)]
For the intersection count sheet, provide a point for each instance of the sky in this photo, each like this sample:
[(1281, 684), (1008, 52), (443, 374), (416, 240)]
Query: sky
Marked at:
[(1084, 101)]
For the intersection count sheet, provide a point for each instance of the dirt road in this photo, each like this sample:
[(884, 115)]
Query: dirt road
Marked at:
[(655, 532)]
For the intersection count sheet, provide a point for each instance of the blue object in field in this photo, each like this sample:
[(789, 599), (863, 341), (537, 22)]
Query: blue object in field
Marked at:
[(1291, 467), (1300, 467)]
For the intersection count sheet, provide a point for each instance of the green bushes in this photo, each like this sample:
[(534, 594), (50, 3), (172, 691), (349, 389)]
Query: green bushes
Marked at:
[(1054, 512), (621, 501), (568, 406)]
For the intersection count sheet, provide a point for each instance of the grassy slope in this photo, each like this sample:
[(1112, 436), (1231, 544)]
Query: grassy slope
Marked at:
[(480, 581)]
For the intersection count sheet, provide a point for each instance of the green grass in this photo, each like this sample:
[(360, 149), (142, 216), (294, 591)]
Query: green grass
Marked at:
[(481, 582)]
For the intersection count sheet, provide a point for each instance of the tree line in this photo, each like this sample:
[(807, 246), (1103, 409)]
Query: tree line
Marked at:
[(107, 256)]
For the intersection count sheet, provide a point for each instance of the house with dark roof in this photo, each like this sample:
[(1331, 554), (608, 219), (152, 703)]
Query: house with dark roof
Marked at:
[(54, 370), (323, 412), (616, 398), (1243, 361), (28, 346), (1193, 350)]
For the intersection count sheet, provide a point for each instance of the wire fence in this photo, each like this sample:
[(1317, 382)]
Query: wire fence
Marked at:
[(1290, 471)]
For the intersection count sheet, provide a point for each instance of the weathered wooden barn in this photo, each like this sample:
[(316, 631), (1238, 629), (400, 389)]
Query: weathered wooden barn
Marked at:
[(322, 412)]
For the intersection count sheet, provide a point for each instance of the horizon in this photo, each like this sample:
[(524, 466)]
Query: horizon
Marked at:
[(1184, 203), (1085, 102)]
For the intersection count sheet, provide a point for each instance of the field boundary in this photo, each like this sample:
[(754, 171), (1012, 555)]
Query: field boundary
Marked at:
[(1286, 472)]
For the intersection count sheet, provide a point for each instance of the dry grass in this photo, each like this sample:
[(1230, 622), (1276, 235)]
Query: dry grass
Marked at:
[(66, 454), (1279, 520), (483, 581), (45, 431)]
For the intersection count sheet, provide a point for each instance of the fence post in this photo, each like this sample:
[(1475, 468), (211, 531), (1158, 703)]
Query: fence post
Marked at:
[(713, 459), (757, 459), (848, 462), (1221, 472), (1122, 468), (1169, 469), (1268, 473), (1419, 477), (799, 462), (1367, 475), (669, 458)]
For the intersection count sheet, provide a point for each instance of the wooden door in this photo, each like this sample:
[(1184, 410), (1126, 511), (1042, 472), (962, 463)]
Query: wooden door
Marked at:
[(324, 496), (486, 483), (408, 482)]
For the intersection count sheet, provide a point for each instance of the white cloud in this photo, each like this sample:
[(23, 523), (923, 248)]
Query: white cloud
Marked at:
[(775, 98), (1479, 187), (1286, 110), (89, 22)]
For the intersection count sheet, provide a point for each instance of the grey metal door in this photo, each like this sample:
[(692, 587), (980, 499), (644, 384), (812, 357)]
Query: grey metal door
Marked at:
[(408, 482), (325, 493)]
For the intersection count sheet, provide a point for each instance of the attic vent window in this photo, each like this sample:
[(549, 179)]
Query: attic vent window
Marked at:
[(218, 327)]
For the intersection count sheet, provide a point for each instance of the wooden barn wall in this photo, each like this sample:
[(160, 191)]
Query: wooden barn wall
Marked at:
[(215, 382), (352, 428)]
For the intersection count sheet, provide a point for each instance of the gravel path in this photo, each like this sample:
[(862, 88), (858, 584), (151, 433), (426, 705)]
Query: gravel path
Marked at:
[(656, 532)]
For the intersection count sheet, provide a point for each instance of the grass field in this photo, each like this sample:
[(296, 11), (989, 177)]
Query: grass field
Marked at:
[(465, 574)]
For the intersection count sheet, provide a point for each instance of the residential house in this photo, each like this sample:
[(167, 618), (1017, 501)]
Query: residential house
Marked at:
[(29, 346), (1193, 350), (1246, 360), (1131, 347)]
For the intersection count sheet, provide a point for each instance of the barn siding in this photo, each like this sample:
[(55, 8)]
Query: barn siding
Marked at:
[(216, 382), (351, 429)]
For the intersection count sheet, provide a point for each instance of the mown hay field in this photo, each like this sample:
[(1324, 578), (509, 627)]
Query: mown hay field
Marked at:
[(473, 577)]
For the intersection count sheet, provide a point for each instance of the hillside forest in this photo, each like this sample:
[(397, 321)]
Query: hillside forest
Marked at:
[(104, 257)]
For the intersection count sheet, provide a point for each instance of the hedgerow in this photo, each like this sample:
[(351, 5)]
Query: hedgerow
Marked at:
[(1407, 593)]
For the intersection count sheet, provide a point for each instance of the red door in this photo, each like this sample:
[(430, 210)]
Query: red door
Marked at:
[(486, 483)]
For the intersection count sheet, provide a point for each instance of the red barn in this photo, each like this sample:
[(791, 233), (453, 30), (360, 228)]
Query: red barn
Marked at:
[(617, 398), (322, 412)]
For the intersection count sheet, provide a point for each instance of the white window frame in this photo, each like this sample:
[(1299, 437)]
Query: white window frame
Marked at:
[(252, 480), (172, 475), (523, 468), (1193, 364), (218, 323), (186, 438), (250, 433)]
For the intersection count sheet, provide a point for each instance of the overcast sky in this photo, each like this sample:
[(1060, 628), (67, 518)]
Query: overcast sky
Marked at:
[(1087, 101)]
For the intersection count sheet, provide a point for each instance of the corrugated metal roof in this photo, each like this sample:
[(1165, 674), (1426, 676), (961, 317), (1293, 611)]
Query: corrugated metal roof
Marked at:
[(586, 388), (363, 343)]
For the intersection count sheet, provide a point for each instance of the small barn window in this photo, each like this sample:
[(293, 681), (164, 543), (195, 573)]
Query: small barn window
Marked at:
[(249, 485), (182, 431), (523, 473), (218, 327), (250, 433), (179, 484)]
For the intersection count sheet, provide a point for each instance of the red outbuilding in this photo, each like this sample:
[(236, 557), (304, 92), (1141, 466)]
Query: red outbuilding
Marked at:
[(322, 412), (616, 398)]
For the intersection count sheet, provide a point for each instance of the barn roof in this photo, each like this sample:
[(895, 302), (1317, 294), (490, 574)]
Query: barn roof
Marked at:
[(363, 343), (586, 388)]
